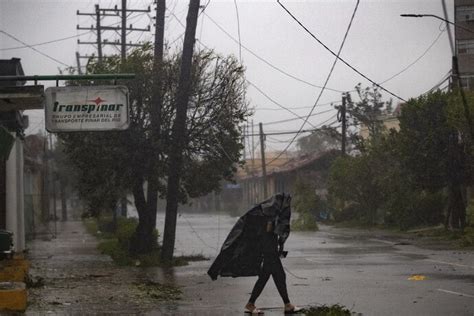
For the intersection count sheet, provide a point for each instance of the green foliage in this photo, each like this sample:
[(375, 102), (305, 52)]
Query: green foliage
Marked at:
[(369, 112), (424, 139), (353, 189), (91, 225), (333, 310), (112, 163), (116, 245), (319, 141), (158, 291), (307, 204), (470, 212), (399, 177)]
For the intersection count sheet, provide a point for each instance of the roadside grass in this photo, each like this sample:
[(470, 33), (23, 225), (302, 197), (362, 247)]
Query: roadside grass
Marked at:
[(304, 222), (333, 310), (116, 244), (157, 291), (462, 239)]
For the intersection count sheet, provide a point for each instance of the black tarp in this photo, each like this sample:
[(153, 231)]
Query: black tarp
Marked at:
[(242, 251)]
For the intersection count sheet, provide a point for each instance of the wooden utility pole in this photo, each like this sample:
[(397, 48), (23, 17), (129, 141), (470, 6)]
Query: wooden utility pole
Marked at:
[(123, 35), (122, 29), (343, 120), (78, 61), (99, 33), (264, 166), (53, 181), (178, 133)]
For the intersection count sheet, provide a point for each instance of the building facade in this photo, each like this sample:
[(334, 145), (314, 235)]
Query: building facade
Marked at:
[(464, 40)]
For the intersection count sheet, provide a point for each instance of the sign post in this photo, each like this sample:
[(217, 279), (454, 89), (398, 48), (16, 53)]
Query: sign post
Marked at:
[(87, 108)]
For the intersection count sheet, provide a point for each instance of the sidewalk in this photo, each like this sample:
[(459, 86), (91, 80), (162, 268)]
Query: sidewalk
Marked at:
[(79, 280)]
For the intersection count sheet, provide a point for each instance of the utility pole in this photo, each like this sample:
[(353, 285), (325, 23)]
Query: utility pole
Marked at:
[(122, 29), (123, 48), (178, 133), (243, 142), (264, 167), (99, 33), (343, 119), (78, 61), (253, 147), (53, 181)]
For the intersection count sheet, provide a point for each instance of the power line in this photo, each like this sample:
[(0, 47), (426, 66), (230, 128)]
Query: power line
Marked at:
[(294, 119), (298, 132), (445, 78), (53, 41), (327, 78), (31, 47), (275, 102), (416, 60), (297, 107), (45, 43), (250, 83), (337, 55), (266, 61)]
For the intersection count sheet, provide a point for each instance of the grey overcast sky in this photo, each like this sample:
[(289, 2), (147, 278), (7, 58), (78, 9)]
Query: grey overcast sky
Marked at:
[(380, 44)]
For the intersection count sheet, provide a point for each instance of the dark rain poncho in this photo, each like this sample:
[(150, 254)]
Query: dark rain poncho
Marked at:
[(242, 251)]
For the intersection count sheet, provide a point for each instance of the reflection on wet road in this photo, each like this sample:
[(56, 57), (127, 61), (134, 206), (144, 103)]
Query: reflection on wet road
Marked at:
[(332, 266)]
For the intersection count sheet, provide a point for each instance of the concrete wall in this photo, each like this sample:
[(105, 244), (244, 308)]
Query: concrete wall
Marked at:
[(15, 219)]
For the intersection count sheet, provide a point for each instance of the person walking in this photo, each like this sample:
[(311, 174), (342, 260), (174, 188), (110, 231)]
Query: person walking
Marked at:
[(254, 247)]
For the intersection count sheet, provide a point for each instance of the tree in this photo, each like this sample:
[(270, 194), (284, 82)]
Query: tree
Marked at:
[(307, 204), (435, 148), (323, 139), (369, 112), (212, 148), (354, 190)]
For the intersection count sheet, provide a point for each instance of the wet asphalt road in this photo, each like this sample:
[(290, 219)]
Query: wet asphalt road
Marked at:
[(365, 273)]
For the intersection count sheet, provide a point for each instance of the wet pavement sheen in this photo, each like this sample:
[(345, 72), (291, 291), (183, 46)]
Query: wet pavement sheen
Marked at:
[(365, 272)]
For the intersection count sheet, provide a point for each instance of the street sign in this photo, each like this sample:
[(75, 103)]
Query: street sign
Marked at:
[(87, 108)]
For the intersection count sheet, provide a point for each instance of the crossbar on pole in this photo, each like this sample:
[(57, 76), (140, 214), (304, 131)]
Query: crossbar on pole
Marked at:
[(68, 77)]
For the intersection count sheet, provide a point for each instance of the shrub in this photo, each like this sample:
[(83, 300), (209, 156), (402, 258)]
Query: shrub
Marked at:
[(307, 204)]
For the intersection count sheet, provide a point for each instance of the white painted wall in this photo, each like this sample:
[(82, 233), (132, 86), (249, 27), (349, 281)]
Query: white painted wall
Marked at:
[(15, 217)]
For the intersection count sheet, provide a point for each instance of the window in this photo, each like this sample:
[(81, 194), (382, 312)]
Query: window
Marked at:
[(464, 13), (465, 46), (467, 82)]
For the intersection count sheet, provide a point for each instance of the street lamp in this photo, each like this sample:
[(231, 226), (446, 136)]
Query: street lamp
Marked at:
[(455, 71), (436, 17)]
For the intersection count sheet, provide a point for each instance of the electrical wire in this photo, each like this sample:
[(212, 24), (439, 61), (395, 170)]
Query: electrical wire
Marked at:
[(205, 7), (196, 233), (445, 78), (275, 102), (249, 82), (38, 51), (266, 61), (327, 78), (294, 119), (416, 60), (337, 55), (45, 43), (297, 108)]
